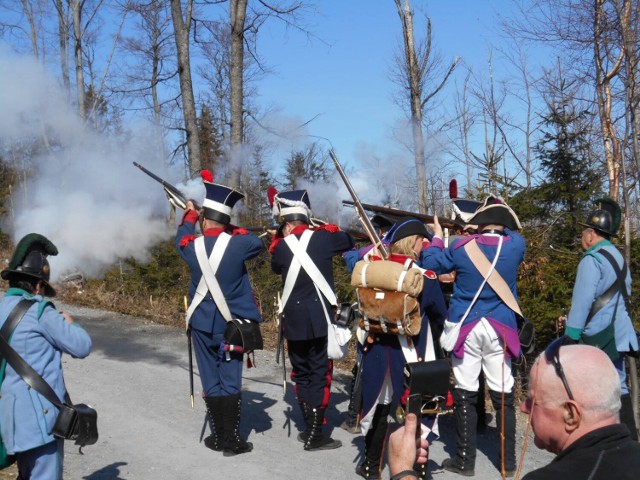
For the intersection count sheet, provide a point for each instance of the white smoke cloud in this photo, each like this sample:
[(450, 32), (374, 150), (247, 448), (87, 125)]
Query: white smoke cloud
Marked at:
[(82, 192)]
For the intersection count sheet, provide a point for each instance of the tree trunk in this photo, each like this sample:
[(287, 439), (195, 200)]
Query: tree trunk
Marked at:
[(28, 11), (238, 13), (181, 30), (605, 100), (77, 6), (63, 42), (415, 101)]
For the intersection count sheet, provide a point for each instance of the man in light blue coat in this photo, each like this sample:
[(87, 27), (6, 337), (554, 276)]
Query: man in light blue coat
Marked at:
[(41, 337), (597, 318)]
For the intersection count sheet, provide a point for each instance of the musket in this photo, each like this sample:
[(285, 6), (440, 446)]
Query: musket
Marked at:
[(360, 213), (357, 234), (446, 223), (172, 192), (357, 387), (280, 348), (190, 348)]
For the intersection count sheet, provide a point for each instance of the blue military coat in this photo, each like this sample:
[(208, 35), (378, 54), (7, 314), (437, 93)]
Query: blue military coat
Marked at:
[(303, 315), (43, 335), (595, 275), (231, 275), (468, 281)]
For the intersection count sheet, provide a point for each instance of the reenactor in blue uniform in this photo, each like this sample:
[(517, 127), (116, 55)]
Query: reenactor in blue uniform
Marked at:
[(40, 338), (481, 327), (385, 355), (305, 310), (601, 319), (220, 369)]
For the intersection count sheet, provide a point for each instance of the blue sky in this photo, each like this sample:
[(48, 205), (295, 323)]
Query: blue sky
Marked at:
[(343, 76)]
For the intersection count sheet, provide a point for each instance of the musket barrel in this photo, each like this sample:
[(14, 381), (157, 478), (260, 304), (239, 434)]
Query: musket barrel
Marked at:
[(362, 216), (173, 190), (446, 223)]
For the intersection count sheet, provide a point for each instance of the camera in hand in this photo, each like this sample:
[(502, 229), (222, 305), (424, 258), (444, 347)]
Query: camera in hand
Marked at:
[(428, 384)]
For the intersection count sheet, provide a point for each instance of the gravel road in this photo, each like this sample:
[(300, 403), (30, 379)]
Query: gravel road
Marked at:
[(137, 379)]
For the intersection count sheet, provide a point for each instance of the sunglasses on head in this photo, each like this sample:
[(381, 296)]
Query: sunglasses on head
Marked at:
[(552, 355)]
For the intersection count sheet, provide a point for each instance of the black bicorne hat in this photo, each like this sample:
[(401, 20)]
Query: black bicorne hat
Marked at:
[(383, 222), (494, 211), (29, 261), (405, 227)]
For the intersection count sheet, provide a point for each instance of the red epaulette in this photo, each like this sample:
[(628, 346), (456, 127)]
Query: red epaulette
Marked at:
[(430, 274), (328, 227), (274, 244), (239, 231), (186, 240)]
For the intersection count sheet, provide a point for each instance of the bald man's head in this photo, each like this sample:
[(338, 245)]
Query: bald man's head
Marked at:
[(591, 376), (557, 420)]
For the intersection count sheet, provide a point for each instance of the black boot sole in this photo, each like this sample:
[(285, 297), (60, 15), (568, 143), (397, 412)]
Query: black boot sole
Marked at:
[(449, 465), (232, 452)]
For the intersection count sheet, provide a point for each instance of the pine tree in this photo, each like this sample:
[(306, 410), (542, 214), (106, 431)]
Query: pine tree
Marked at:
[(210, 145), (566, 157)]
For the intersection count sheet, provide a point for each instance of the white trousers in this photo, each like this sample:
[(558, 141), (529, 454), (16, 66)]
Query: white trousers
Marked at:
[(483, 349)]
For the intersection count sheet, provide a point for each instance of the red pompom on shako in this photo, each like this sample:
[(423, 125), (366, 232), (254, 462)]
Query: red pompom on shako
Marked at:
[(207, 176)]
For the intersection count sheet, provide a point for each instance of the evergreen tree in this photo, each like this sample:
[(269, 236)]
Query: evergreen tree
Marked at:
[(210, 144), (566, 158), (309, 165)]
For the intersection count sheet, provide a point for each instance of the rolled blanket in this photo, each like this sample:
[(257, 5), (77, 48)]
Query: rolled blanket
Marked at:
[(388, 275)]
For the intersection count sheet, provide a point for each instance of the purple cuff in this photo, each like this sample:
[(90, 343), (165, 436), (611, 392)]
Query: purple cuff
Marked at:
[(437, 242)]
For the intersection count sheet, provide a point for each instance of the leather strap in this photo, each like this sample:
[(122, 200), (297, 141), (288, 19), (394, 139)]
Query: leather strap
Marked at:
[(618, 286), (209, 267), (14, 318), (301, 256), (22, 368), (206, 265), (494, 279)]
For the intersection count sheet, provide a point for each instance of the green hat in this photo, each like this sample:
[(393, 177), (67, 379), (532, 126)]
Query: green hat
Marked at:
[(29, 260)]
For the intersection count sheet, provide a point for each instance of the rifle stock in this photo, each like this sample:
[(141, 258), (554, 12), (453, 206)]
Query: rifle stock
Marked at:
[(360, 213), (177, 195), (446, 223)]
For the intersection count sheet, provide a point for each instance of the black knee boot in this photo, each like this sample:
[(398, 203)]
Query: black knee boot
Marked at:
[(306, 416), (480, 406), (351, 423), (233, 444), (627, 417), (464, 461), (214, 411), (315, 439), (508, 454), (374, 444)]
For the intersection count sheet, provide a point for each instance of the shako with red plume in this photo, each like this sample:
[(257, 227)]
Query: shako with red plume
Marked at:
[(290, 205), (219, 199)]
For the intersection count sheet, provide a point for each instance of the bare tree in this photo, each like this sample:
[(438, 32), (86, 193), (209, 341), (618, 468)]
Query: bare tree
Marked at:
[(419, 67), (149, 52), (64, 20), (240, 24), (462, 124), (181, 27)]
